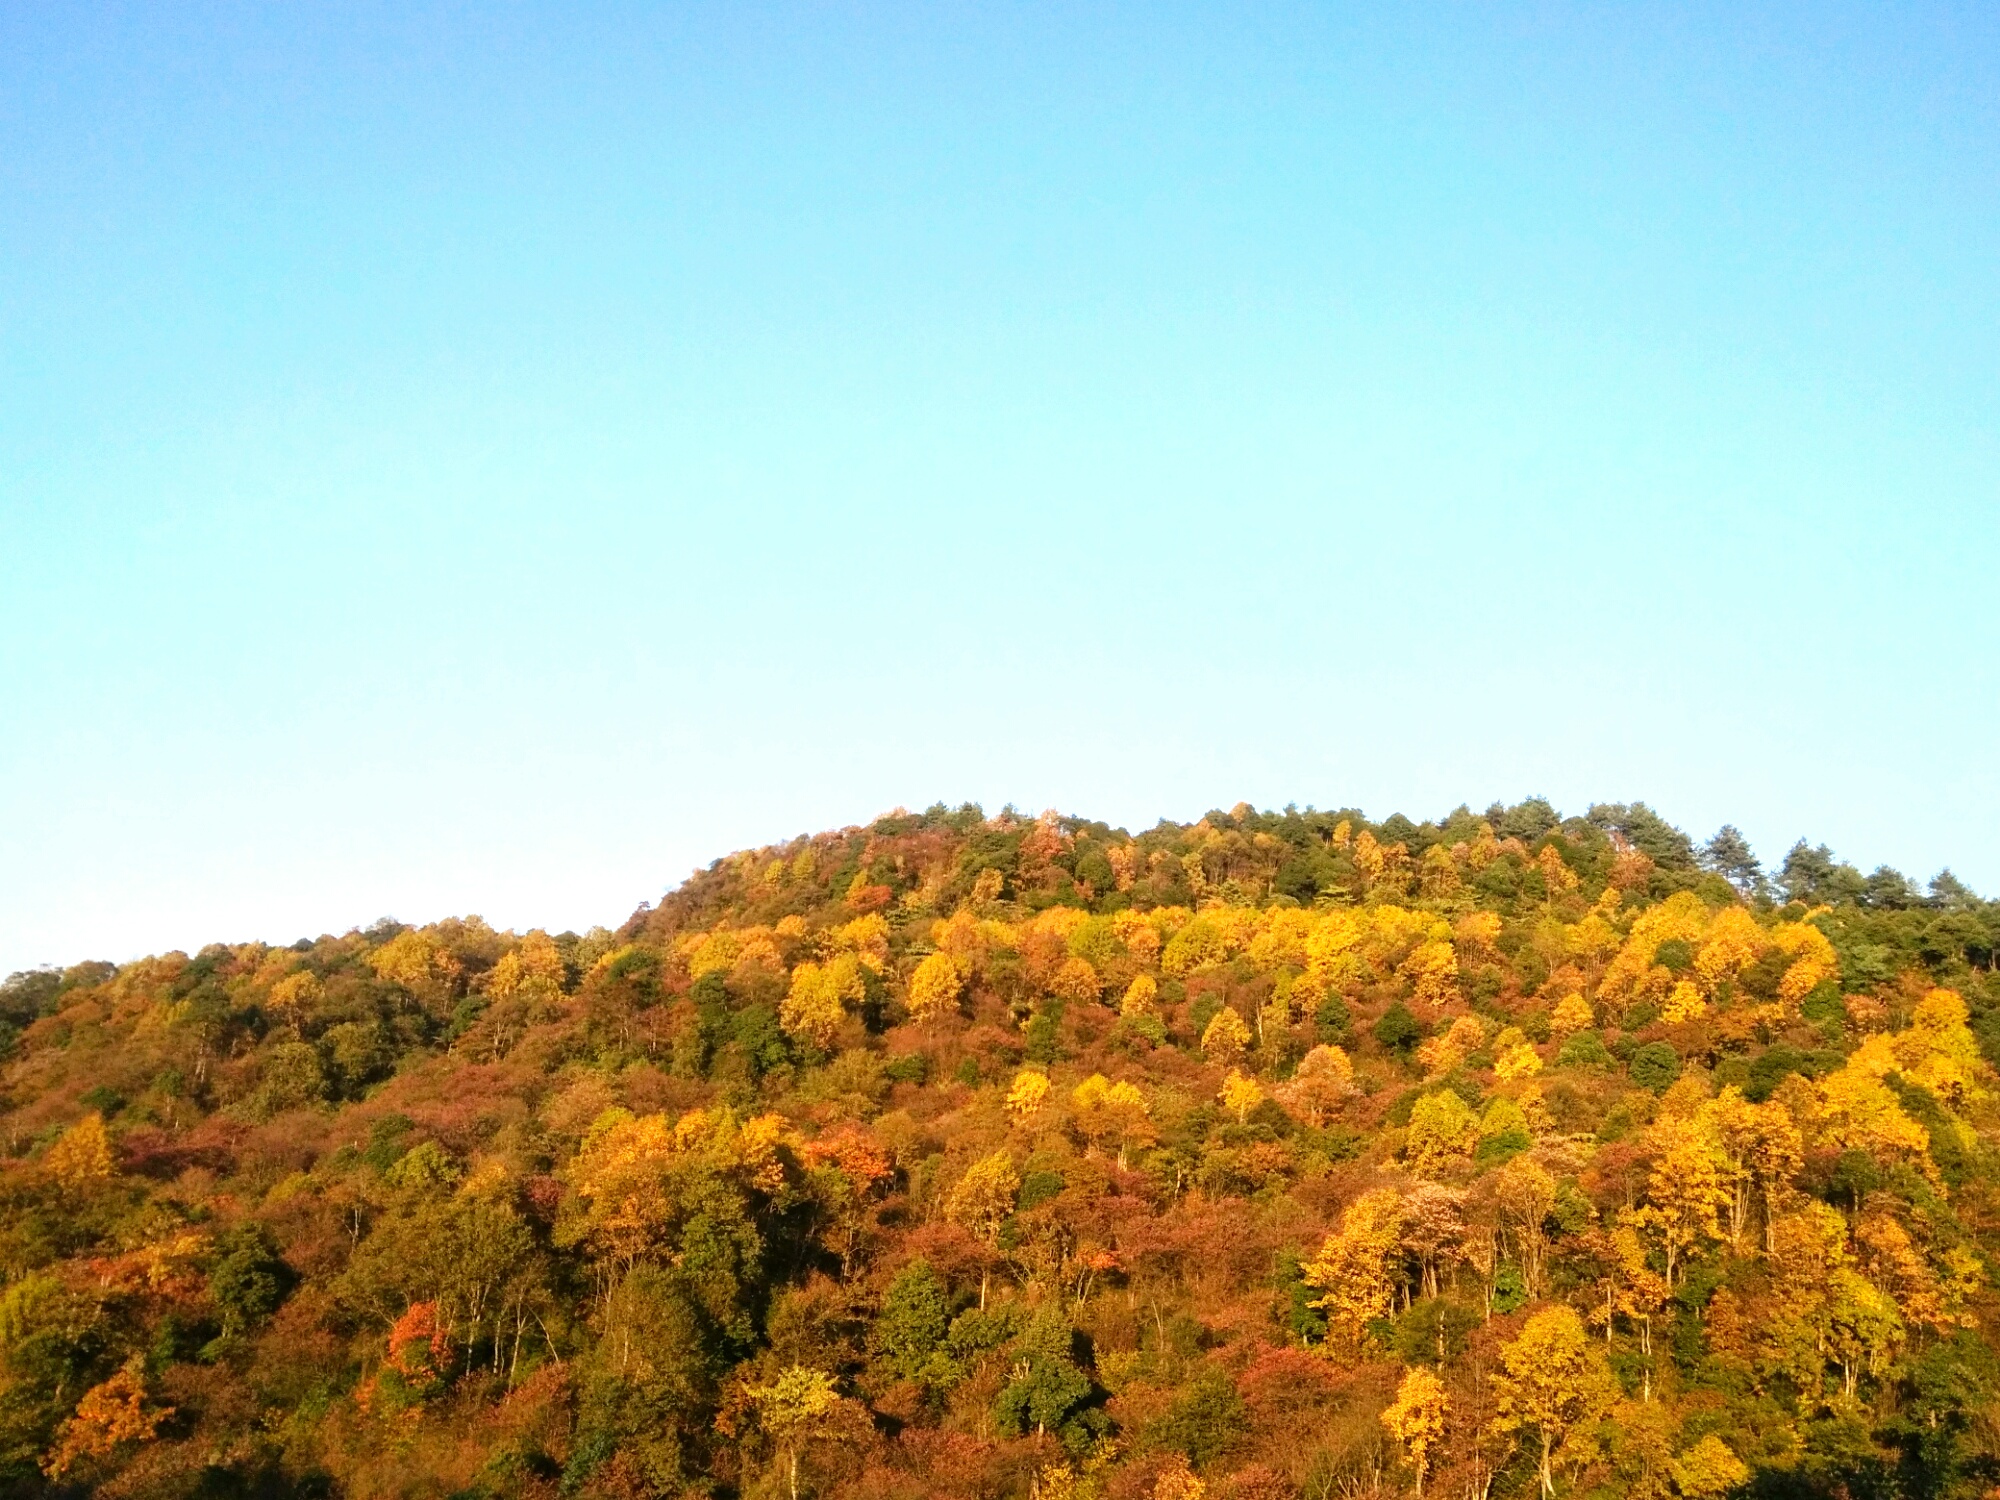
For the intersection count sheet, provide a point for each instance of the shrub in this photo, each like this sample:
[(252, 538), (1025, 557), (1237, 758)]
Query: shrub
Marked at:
[(1655, 1065)]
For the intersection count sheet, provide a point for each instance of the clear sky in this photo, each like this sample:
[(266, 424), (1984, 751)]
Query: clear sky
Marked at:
[(495, 458)]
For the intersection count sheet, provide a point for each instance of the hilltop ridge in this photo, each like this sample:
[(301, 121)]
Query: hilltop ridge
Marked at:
[(1275, 1154)]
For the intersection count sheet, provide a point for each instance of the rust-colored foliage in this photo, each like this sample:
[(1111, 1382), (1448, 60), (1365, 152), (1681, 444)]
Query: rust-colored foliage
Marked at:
[(1278, 1154)]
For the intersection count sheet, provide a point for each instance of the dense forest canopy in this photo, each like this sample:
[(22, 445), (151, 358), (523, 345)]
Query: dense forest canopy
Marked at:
[(1279, 1154)]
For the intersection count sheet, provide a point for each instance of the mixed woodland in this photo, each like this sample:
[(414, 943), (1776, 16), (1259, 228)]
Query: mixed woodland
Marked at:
[(1276, 1156)]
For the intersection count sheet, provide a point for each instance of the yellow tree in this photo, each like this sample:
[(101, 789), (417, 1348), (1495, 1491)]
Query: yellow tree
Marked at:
[(1685, 1191), (533, 969), (1225, 1037), (1808, 1259), (1075, 979), (981, 1201), (1864, 1328), (792, 1409), (934, 987), (1709, 1470), (1416, 1418), (1526, 1195), (1353, 1269), (1894, 1264), (817, 1002), (81, 1158), (1557, 876), (1938, 1049), (1025, 1097), (1443, 1130), (412, 960), (1240, 1095), (636, 1177), (1813, 961), (1112, 1113), (1762, 1152), (1432, 970), (1572, 1013), (1178, 1481), (1553, 1388), (1140, 997), (1733, 943), (296, 996), (1437, 873), (1447, 1050), (1859, 1113), (1368, 857), (1638, 1292), (1683, 1003)]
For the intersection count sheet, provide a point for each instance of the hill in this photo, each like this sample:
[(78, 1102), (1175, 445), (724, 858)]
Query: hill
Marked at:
[(1279, 1154)]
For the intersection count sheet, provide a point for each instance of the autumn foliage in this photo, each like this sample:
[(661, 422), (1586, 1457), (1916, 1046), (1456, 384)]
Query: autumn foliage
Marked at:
[(1270, 1156)]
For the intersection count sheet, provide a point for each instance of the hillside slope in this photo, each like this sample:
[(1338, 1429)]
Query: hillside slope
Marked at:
[(1279, 1154)]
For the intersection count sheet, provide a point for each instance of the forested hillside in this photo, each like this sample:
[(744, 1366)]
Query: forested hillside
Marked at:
[(1281, 1154)]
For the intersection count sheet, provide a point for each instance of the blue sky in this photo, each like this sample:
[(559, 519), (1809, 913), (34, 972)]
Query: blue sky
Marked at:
[(497, 458)]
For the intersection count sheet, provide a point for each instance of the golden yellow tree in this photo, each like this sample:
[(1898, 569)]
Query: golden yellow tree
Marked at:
[(1553, 1386), (1416, 1418), (412, 960), (1637, 1291), (1240, 1095), (533, 968), (1368, 856), (819, 996), (1432, 970), (1437, 873), (1572, 1013), (934, 987), (1112, 1114), (1863, 1328), (1683, 1003), (1762, 1151), (1526, 1194), (1140, 997), (981, 1201), (1685, 1191), (296, 996), (1443, 1130), (1225, 1037), (1557, 876), (81, 1157), (1076, 979), (1178, 1481), (1734, 942), (1445, 1051), (791, 1409), (1029, 1090), (1709, 1469), (1354, 1267), (1813, 961), (1938, 1049)]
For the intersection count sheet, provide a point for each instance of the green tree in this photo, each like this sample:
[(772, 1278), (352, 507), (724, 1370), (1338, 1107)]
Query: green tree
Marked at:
[(1049, 1393), (247, 1279), (909, 1334), (1206, 1418)]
